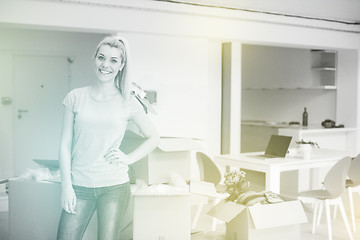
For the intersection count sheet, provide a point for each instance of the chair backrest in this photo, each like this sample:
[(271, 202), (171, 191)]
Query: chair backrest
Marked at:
[(335, 179), (354, 171), (209, 172)]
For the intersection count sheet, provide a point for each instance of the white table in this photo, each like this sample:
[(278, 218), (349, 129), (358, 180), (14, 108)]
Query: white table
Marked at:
[(272, 167)]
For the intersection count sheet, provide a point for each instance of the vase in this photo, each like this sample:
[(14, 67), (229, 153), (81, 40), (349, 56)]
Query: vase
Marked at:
[(305, 150)]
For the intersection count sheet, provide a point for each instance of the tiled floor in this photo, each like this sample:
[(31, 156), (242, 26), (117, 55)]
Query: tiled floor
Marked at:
[(339, 232), (338, 227), (204, 226)]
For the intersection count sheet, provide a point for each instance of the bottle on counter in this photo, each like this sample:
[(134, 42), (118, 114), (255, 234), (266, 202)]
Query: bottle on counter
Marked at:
[(305, 118)]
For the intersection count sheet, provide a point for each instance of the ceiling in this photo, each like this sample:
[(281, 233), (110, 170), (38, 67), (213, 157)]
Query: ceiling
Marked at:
[(344, 11)]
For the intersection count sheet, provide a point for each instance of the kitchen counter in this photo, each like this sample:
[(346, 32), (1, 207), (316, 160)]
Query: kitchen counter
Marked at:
[(320, 129), (295, 127), (332, 138), (260, 123), (256, 133)]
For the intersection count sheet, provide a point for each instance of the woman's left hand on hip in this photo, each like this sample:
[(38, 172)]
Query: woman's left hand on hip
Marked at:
[(115, 156)]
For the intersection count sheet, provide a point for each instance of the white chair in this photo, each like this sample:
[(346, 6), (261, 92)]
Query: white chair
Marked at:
[(209, 172), (353, 185), (334, 186)]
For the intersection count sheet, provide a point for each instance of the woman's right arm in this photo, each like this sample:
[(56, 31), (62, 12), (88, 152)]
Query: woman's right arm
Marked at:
[(68, 197)]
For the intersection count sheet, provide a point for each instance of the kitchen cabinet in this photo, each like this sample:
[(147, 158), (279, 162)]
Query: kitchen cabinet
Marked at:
[(281, 68), (324, 63)]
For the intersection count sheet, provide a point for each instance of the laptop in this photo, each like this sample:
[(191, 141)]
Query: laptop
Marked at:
[(277, 146)]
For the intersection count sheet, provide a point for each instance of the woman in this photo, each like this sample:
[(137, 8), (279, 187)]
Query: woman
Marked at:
[(93, 168)]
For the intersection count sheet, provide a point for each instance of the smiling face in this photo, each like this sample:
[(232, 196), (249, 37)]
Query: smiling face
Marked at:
[(108, 62)]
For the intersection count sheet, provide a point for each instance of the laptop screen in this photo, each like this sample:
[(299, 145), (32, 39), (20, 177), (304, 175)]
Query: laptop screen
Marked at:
[(278, 146)]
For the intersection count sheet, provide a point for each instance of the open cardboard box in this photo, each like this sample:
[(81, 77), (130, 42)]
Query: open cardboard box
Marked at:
[(172, 155), (202, 188), (161, 215), (261, 221)]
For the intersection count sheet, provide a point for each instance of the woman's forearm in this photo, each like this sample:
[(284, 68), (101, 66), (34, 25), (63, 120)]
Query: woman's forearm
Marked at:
[(150, 134), (65, 166), (65, 148), (145, 148)]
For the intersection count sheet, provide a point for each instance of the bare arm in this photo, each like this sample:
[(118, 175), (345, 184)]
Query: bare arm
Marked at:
[(150, 133), (115, 155), (68, 198)]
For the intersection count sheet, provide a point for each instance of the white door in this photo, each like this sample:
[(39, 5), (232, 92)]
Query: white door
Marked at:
[(40, 84)]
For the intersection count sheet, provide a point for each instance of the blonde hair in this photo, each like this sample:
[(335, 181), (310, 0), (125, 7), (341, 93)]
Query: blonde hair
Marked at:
[(122, 80)]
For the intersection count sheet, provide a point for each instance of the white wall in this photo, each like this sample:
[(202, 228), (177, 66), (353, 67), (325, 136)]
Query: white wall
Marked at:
[(170, 26), (348, 94), (6, 114), (17, 41), (175, 67)]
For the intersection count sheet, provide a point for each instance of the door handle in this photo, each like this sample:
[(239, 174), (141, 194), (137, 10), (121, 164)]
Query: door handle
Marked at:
[(20, 112)]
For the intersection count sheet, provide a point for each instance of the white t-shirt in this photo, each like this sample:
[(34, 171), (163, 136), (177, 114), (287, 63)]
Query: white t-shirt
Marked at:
[(98, 126)]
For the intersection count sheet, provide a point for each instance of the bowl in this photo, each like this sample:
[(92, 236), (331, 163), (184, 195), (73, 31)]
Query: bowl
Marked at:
[(328, 124)]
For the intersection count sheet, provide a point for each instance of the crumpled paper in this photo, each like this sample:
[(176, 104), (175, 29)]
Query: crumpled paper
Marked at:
[(176, 185), (38, 174)]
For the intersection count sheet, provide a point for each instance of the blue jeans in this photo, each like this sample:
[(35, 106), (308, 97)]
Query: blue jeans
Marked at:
[(110, 204)]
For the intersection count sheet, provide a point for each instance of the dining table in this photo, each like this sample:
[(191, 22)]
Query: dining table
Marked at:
[(274, 166)]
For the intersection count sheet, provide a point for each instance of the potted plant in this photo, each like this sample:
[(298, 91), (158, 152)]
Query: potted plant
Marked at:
[(235, 184), (309, 143), (305, 147)]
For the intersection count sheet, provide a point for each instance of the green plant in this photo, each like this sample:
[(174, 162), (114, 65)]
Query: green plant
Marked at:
[(235, 183), (314, 144)]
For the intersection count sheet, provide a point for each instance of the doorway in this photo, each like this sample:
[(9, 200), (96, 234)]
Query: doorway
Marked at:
[(40, 84)]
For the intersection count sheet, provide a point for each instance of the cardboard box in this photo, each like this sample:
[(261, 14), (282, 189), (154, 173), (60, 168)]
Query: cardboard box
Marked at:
[(162, 216), (261, 221), (4, 202), (203, 188), (171, 155), (34, 212)]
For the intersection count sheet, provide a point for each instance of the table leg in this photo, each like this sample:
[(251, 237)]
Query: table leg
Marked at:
[(272, 182)]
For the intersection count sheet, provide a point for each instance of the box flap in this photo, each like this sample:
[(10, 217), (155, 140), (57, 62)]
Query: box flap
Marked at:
[(167, 144), (278, 214), (203, 188), (172, 144), (51, 164), (160, 190), (226, 210)]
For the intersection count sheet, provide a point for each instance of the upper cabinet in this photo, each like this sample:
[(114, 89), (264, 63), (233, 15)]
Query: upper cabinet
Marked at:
[(324, 63), (283, 68)]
